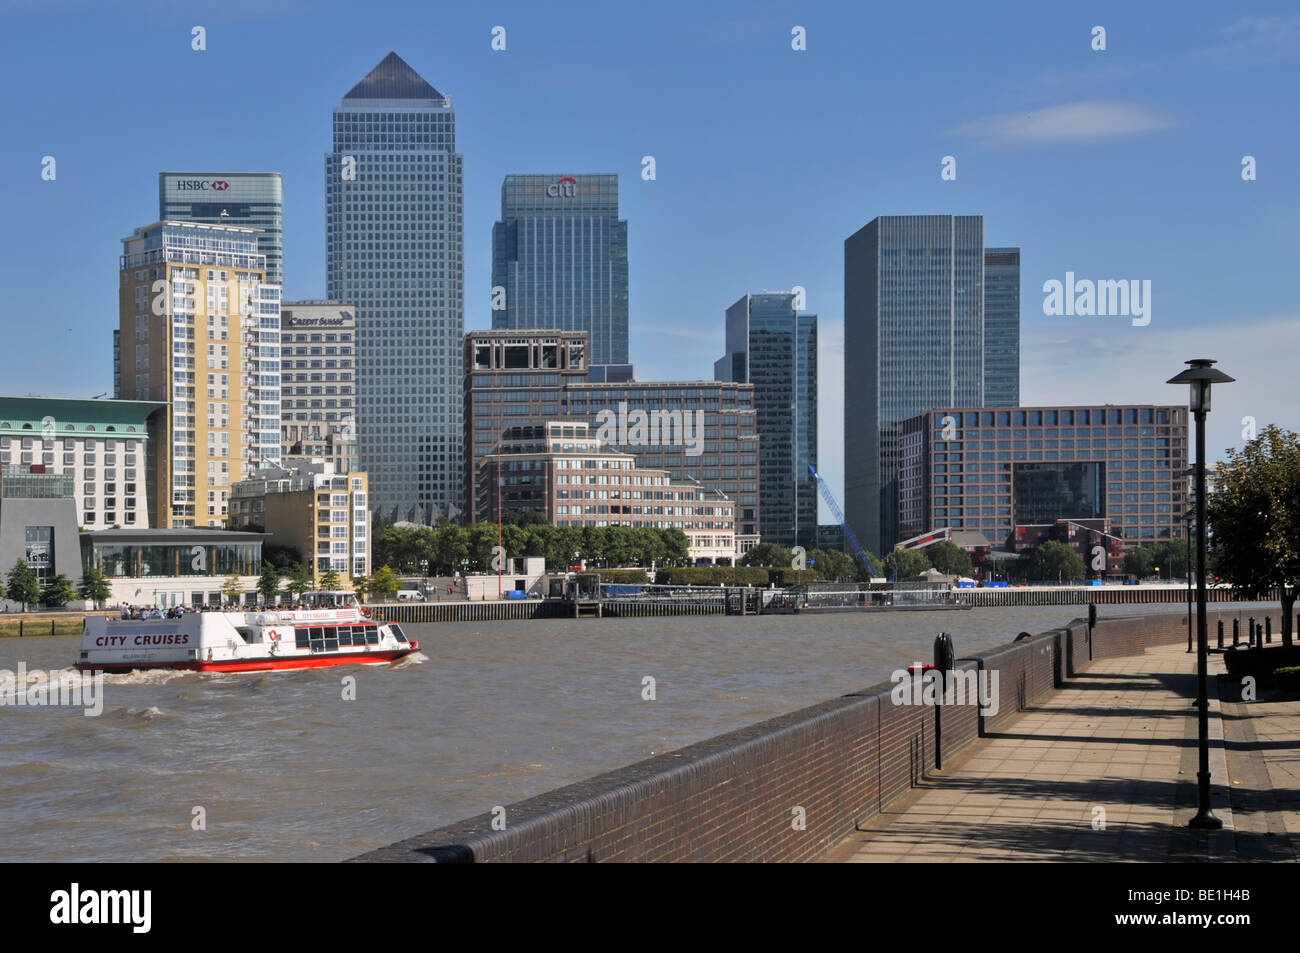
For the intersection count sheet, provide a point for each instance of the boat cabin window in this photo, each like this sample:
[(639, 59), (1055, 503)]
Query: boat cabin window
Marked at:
[(397, 632), (328, 638)]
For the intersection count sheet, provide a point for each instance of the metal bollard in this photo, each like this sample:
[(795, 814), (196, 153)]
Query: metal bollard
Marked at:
[(1259, 635), (1220, 633), (1250, 632), (1268, 630), (1236, 632)]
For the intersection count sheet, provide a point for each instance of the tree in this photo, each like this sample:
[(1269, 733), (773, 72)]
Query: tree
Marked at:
[(908, 563), (1140, 561), (361, 585), (232, 588), (299, 580), (949, 558), (1056, 561), (1254, 516), (331, 581), (57, 591), (767, 554), (384, 583), (94, 588), (24, 586), (268, 583)]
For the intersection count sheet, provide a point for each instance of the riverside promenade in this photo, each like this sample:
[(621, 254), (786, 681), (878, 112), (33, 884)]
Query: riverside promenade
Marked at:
[(1104, 769)]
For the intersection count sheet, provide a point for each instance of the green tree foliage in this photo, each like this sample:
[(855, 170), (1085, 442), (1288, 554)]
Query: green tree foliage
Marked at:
[(446, 549), (300, 580), (949, 558), (908, 563), (232, 588), (23, 585), (384, 583), (268, 583), (361, 586), (94, 588), (767, 555), (57, 591), (1170, 557), (331, 581), (1254, 518), (1054, 561)]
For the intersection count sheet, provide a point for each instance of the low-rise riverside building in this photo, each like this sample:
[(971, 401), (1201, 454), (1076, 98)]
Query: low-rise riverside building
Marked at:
[(322, 514), (703, 432), (563, 470), (174, 567), (991, 469)]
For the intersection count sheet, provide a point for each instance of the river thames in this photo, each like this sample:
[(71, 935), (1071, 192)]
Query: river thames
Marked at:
[(283, 768)]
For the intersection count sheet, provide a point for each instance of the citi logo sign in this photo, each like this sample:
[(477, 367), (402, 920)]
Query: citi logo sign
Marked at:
[(201, 185), (566, 188)]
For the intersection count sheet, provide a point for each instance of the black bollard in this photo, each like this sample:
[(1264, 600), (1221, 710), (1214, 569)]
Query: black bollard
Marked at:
[(1220, 633), (1268, 630), (1236, 632), (1259, 635), (1250, 632)]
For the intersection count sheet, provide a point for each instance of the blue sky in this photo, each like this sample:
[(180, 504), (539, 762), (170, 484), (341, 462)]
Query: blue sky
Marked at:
[(1122, 164)]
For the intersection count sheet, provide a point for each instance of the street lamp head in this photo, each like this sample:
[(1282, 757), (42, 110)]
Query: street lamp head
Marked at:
[(1199, 375)]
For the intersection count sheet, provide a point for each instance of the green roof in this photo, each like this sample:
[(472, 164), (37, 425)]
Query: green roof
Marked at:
[(72, 415)]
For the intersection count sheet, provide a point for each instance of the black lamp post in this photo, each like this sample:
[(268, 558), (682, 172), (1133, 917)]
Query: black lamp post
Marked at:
[(1200, 375), (1187, 561)]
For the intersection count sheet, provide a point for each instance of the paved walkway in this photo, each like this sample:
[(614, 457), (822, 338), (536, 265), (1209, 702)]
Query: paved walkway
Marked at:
[(1105, 769)]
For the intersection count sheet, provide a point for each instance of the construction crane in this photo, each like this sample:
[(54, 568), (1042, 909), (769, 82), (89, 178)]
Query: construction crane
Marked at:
[(852, 540)]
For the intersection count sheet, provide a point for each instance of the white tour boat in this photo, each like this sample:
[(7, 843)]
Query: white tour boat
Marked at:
[(245, 641)]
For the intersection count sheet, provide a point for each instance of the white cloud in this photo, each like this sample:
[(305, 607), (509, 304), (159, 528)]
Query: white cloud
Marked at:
[(1070, 123), (1108, 361)]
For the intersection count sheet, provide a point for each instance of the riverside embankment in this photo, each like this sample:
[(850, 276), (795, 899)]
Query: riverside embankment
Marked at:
[(790, 788)]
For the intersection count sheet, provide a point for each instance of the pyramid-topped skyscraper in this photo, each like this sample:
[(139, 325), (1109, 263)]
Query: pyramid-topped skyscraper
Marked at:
[(394, 200)]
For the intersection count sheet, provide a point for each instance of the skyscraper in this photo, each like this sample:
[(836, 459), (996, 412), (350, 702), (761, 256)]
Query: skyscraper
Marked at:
[(917, 336), (773, 346), (559, 260), (201, 329), (394, 223), (253, 199), (1001, 327)]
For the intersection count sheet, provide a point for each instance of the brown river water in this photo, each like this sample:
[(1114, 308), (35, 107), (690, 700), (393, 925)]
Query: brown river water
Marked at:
[(284, 768)]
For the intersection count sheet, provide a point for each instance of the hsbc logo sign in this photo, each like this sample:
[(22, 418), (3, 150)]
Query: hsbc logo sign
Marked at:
[(201, 185), (566, 188)]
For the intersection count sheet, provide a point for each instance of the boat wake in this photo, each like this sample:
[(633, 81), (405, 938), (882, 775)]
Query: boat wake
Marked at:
[(415, 658)]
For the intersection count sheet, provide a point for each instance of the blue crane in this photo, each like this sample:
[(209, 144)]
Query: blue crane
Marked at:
[(858, 551)]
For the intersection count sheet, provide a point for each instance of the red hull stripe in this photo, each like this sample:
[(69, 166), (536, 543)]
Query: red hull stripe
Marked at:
[(258, 665)]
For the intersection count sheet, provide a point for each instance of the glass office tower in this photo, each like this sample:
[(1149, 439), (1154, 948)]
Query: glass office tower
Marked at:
[(774, 347), (560, 255), (1001, 327), (914, 337), (394, 224), (252, 199)]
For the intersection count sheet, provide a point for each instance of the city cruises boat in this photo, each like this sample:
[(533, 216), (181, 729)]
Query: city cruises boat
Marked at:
[(243, 641)]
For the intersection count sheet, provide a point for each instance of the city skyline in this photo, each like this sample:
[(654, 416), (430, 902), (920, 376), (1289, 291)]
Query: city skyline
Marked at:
[(1027, 144)]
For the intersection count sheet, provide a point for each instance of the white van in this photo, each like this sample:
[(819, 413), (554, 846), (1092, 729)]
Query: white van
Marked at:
[(410, 595)]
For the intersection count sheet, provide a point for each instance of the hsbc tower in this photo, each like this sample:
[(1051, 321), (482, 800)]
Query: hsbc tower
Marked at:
[(251, 199)]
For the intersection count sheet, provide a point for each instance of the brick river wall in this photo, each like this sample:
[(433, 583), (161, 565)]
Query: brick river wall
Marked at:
[(789, 788)]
